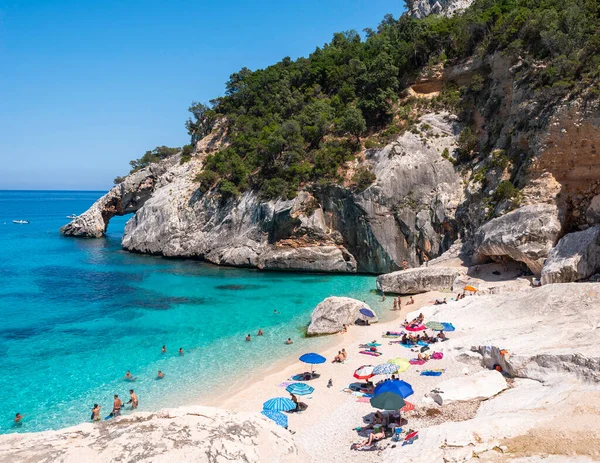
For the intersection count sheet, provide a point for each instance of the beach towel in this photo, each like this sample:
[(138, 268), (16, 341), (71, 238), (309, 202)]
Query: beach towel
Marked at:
[(431, 373), (392, 336), (416, 362), (364, 449), (437, 356), (416, 328), (420, 343), (368, 352), (393, 333), (363, 399), (410, 438)]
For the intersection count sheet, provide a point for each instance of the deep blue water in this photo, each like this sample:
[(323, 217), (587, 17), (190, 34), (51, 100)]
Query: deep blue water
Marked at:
[(76, 314)]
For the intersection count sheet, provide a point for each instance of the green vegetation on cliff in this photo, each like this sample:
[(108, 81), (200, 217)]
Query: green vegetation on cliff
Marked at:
[(301, 121)]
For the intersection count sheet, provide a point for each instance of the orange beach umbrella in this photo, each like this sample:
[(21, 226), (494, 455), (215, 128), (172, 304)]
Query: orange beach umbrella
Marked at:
[(470, 288)]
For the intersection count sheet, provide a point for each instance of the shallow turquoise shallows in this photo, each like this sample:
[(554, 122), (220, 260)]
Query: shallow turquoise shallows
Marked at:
[(76, 314)]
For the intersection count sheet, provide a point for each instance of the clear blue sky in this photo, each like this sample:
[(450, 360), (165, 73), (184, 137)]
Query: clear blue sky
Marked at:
[(85, 85)]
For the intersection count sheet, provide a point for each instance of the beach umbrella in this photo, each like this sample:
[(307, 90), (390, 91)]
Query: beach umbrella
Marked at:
[(364, 372), (408, 407), (278, 417), (279, 404), (436, 326), (397, 387), (388, 401), (367, 312), (385, 369), (312, 358), (470, 288), (300, 389), (448, 326), (402, 363)]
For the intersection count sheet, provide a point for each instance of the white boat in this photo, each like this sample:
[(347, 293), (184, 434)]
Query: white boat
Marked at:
[(21, 221), (72, 216)]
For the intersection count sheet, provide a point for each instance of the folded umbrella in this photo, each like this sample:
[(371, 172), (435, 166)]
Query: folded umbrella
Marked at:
[(279, 404), (397, 387), (388, 401), (364, 372), (278, 417), (300, 389)]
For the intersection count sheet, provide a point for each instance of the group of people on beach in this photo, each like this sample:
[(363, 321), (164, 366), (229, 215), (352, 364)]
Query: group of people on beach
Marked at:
[(398, 302)]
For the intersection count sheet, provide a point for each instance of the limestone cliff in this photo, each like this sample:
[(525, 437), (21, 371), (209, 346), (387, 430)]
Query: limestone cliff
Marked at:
[(422, 8)]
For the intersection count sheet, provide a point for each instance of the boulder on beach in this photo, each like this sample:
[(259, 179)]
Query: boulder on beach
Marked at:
[(200, 434), (333, 313), (526, 235), (479, 386), (419, 280), (575, 257)]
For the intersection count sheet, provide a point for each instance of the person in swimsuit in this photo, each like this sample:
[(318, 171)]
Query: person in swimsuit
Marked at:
[(289, 341), (260, 332), (248, 338), (164, 349), (96, 412), (181, 351), (295, 400), (117, 404), (404, 264), (18, 418), (129, 377), (134, 399), (160, 375)]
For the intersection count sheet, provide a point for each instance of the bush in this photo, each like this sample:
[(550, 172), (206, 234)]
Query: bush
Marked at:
[(207, 180), (186, 153), (363, 178), (507, 191)]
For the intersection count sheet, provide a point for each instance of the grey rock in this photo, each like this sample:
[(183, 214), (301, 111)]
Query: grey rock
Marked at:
[(575, 257), (313, 258), (526, 235), (333, 313), (593, 211), (422, 8), (419, 280)]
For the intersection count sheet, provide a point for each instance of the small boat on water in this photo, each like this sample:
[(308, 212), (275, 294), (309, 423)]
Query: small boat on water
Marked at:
[(21, 221), (72, 216)]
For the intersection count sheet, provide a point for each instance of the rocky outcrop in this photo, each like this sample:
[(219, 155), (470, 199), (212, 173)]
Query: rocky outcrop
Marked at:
[(575, 257), (419, 280), (199, 434), (526, 235), (408, 211), (421, 8), (333, 313), (478, 386)]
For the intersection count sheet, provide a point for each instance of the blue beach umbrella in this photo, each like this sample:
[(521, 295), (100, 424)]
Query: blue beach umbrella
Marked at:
[(399, 387), (367, 313), (300, 389), (276, 416), (448, 326), (313, 358), (279, 404), (385, 369)]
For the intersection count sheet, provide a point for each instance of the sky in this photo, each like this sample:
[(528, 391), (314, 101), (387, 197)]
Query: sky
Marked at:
[(86, 86)]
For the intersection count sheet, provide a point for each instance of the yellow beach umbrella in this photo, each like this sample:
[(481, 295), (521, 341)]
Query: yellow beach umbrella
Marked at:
[(470, 288), (402, 363)]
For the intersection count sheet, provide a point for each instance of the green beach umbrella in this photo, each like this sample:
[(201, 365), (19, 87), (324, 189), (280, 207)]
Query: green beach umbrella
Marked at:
[(402, 363), (388, 401), (436, 326)]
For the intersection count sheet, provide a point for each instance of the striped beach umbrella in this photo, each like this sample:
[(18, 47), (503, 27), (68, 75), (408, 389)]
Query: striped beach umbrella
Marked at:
[(402, 363), (364, 372), (300, 389), (385, 369), (276, 416), (282, 404), (435, 326)]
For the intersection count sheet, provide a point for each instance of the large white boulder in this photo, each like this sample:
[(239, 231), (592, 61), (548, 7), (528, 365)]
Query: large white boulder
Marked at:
[(419, 280), (575, 257), (199, 434), (525, 235), (479, 386), (333, 313)]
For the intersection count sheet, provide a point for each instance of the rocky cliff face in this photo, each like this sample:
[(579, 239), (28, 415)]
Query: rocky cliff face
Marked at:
[(408, 211), (422, 8)]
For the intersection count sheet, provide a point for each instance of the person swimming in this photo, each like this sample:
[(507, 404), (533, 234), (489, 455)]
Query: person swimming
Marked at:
[(289, 341), (133, 400), (275, 311), (248, 338), (129, 377), (18, 418), (164, 349), (260, 332), (96, 412), (160, 375), (181, 351)]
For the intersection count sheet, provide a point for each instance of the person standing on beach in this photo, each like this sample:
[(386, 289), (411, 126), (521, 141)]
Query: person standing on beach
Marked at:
[(404, 264), (117, 404), (96, 412), (425, 260), (134, 399)]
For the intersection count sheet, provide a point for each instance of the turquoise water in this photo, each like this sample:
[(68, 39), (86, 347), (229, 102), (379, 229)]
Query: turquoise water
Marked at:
[(76, 314)]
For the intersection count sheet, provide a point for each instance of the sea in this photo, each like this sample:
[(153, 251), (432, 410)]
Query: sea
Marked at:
[(76, 314)]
